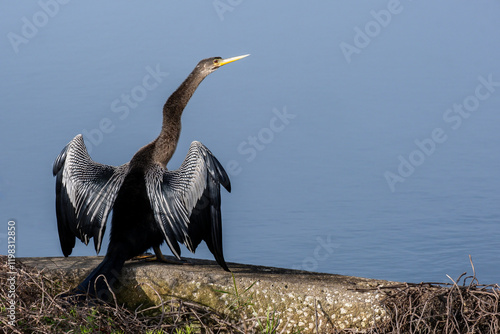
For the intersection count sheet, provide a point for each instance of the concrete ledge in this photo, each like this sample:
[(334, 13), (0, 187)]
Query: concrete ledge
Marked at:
[(300, 299)]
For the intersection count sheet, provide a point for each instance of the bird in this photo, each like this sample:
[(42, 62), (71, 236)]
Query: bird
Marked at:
[(150, 203)]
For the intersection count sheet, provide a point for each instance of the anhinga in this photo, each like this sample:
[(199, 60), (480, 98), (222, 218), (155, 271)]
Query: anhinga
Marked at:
[(150, 203)]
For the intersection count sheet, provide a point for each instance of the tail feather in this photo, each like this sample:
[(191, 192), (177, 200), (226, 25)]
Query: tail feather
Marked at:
[(103, 279)]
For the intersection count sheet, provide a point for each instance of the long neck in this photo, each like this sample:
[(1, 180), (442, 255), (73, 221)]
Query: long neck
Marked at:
[(166, 142)]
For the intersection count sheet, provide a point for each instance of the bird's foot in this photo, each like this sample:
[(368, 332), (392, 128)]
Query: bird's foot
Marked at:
[(163, 259), (160, 258), (145, 256)]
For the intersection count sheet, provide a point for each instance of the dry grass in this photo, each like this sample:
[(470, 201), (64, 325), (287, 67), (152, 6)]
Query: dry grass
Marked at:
[(40, 310), (457, 307), (463, 306)]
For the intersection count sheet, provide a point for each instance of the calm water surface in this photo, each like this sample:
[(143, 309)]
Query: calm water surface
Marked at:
[(307, 137)]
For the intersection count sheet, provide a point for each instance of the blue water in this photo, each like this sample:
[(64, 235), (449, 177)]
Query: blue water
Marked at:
[(308, 132)]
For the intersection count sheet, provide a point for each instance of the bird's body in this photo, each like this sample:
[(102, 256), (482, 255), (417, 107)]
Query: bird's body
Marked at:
[(150, 203), (133, 227)]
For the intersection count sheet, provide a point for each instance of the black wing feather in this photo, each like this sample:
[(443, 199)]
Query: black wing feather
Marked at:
[(186, 202), (85, 193)]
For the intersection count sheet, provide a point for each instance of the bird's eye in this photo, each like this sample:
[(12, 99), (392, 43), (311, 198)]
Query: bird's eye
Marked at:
[(216, 61)]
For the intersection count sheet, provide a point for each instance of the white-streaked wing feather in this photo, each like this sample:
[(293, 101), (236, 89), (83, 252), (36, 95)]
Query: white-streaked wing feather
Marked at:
[(175, 195), (85, 193)]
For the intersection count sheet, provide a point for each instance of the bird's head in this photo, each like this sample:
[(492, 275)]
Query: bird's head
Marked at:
[(211, 64)]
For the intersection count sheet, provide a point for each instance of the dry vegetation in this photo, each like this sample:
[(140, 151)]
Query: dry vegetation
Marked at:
[(458, 307), (463, 306), (40, 310)]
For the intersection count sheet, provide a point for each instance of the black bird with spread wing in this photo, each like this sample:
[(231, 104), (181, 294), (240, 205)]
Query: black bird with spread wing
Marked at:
[(150, 203)]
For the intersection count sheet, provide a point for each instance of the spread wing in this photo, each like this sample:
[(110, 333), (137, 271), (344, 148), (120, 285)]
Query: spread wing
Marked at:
[(186, 202), (85, 193)]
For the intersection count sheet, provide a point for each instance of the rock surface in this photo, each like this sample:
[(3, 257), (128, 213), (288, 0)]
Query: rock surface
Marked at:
[(301, 300)]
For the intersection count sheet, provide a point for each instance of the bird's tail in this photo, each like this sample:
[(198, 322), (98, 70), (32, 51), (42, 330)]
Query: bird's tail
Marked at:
[(103, 279)]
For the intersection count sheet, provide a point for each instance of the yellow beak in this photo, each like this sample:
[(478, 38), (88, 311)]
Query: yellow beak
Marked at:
[(230, 60)]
